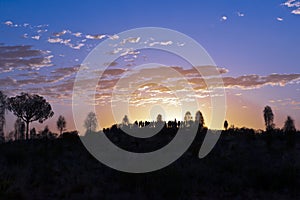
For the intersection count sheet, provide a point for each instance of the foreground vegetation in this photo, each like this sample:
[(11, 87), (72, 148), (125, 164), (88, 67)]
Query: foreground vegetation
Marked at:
[(243, 165)]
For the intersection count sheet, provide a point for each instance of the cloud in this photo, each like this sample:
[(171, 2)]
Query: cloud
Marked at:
[(279, 19), (130, 40), (291, 3), (36, 37), (223, 18), (256, 81), (55, 40), (61, 33), (113, 37), (240, 14), (295, 5), (163, 43), (296, 12), (77, 46), (77, 34), (95, 37), (8, 23), (23, 57)]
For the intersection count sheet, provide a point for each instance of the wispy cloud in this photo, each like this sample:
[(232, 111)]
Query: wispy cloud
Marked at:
[(23, 58)]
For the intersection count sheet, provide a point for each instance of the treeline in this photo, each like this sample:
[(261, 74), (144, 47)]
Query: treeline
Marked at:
[(31, 107)]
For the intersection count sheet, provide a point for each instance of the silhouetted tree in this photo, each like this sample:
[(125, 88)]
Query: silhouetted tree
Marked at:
[(290, 131), (90, 122), (269, 118), (159, 118), (61, 124), (125, 121), (30, 108), (46, 132), (187, 119), (199, 119), (3, 99), (226, 125), (19, 129), (159, 121), (136, 124), (289, 125)]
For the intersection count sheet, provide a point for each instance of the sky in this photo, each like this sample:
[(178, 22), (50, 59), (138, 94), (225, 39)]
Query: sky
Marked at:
[(254, 44)]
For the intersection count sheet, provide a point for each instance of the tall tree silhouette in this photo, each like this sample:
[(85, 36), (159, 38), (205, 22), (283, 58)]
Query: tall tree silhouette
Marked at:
[(2, 115), (199, 119), (90, 122), (30, 108), (289, 125), (290, 131), (269, 118), (61, 124), (226, 125)]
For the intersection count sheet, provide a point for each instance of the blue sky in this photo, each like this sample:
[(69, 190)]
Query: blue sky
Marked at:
[(246, 37)]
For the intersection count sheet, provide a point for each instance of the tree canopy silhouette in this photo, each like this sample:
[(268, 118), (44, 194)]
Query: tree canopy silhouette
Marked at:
[(188, 118), (61, 123), (2, 114), (289, 126), (90, 122), (199, 119), (269, 118), (226, 125), (290, 130), (30, 108)]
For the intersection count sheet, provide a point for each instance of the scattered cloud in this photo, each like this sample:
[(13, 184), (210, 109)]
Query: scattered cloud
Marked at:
[(256, 81), (77, 34), (61, 33), (95, 37), (55, 40), (130, 40), (295, 5)]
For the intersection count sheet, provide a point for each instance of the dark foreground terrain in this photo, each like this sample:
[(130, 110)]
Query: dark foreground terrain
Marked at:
[(241, 166)]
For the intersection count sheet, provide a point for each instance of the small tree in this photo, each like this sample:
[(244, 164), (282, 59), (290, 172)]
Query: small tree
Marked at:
[(90, 122), (226, 125), (30, 108), (61, 124), (159, 118), (290, 131), (269, 118)]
